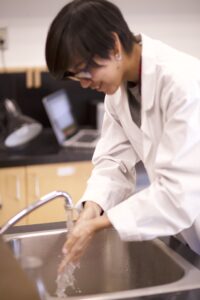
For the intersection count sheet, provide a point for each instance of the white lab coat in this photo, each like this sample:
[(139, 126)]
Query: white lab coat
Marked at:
[(168, 144)]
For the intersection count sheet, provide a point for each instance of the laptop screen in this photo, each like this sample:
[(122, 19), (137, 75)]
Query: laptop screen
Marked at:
[(58, 109)]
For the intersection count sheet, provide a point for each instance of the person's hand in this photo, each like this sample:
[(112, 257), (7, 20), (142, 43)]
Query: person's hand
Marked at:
[(90, 211), (77, 242), (81, 235)]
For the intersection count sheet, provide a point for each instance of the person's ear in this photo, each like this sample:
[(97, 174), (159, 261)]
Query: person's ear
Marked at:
[(117, 51)]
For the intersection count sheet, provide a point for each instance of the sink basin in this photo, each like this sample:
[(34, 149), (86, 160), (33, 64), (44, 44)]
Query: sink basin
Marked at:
[(110, 268)]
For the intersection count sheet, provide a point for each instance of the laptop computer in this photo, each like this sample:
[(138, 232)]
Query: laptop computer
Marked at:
[(58, 108)]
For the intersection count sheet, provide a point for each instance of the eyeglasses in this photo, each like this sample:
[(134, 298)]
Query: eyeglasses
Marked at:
[(82, 74), (77, 76)]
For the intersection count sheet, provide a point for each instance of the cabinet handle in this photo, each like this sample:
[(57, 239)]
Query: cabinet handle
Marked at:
[(37, 187), (18, 189), (37, 78), (1, 202), (29, 78)]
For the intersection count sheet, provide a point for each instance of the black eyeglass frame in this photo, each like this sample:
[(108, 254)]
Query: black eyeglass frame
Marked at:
[(86, 74)]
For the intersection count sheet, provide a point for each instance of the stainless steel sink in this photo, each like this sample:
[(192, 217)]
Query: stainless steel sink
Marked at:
[(110, 268)]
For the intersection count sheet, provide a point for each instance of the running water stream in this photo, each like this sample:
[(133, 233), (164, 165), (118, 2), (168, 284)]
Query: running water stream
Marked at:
[(66, 278)]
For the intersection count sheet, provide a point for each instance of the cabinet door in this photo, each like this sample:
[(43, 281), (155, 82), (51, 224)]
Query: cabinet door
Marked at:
[(42, 179), (12, 193)]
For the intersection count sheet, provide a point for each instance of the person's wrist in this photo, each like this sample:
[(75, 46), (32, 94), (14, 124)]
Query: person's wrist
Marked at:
[(101, 222), (92, 207)]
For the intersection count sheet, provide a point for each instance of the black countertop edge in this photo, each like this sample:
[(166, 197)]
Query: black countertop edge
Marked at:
[(65, 156)]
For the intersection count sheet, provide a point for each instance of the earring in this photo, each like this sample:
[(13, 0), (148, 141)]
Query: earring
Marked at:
[(118, 57)]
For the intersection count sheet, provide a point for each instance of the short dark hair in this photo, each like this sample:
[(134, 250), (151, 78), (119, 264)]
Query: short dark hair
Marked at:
[(83, 29)]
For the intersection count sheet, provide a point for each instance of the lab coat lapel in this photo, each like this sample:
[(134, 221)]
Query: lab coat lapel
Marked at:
[(130, 127), (142, 142), (148, 81), (147, 92)]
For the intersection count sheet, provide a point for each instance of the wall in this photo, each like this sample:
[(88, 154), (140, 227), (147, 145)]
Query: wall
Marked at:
[(176, 22)]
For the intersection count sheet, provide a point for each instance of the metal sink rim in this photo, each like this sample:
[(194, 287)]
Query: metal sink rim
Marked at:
[(189, 281)]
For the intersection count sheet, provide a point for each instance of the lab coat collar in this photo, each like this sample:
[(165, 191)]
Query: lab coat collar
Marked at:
[(148, 72)]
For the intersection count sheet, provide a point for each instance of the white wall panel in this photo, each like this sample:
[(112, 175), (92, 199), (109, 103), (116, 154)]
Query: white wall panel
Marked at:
[(176, 22)]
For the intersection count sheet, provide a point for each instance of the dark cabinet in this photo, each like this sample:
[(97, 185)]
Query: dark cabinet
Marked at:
[(8, 85), (13, 85)]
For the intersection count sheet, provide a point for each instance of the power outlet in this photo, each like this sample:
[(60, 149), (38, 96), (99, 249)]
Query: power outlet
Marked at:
[(3, 38)]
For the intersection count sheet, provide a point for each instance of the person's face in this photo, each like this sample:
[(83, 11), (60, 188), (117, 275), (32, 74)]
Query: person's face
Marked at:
[(105, 78)]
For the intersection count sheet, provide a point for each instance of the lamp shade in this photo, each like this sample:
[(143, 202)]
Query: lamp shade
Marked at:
[(20, 128)]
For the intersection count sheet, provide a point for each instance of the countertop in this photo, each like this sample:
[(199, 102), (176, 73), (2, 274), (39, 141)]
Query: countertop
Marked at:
[(45, 150), (42, 150)]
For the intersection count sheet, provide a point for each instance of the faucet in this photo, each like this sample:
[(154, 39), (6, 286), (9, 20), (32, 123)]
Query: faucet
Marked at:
[(45, 199)]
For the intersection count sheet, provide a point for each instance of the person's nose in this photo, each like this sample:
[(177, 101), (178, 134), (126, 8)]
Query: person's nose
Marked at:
[(85, 83)]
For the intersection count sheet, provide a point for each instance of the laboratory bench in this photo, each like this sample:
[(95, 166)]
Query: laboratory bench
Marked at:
[(44, 149), (40, 167), (33, 170)]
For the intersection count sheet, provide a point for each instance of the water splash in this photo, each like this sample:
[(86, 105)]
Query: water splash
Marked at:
[(67, 279), (69, 219)]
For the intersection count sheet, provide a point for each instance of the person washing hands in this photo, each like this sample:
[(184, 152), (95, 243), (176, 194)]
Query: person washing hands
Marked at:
[(88, 223), (152, 114)]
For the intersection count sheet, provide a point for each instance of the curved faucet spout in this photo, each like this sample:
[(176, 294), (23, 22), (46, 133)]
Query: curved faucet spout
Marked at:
[(45, 199)]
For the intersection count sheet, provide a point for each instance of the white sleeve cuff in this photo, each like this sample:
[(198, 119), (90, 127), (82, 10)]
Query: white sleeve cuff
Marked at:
[(123, 221)]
